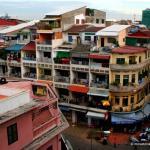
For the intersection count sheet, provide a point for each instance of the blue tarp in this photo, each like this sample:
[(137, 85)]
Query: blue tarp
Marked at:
[(127, 118), (15, 47)]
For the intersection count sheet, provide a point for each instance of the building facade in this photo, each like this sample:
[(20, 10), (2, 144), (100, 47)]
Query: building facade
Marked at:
[(91, 69), (30, 117)]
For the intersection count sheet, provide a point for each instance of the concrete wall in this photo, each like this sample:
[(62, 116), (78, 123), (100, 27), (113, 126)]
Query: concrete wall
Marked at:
[(25, 134)]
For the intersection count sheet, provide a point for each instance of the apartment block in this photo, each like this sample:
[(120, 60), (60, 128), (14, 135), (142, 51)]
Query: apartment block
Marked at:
[(101, 74)]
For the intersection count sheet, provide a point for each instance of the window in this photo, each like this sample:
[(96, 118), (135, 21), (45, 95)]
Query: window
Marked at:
[(87, 38), (97, 20), (111, 40), (117, 100), (82, 21), (103, 20), (39, 90), (120, 60), (77, 21), (132, 60), (70, 39), (12, 133), (132, 99), (139, 59), (125, 80), (117, 78), (47, 54), (47, 72), (25, 37), (125, 101), (133, 78), (50, 148)]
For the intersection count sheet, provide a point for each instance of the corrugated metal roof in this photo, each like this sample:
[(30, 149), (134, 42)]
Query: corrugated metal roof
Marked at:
[(15, 47), (18, 27), (30, 46), (112, 30)]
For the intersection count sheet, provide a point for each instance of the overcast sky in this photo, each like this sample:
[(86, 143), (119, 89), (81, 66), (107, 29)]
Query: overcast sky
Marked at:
[(35, 9)]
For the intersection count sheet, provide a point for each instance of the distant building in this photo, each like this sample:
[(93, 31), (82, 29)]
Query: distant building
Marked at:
[(30, 119), (146, 17)]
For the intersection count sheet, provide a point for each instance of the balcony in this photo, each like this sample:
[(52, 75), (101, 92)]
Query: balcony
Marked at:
[(100, 84), (45, 77), (129, 67), (62, 66), (30, 75), (99, 68), (81, 81), (44, 46), (14, 63), (29, 58), (131, 88), (62, 79), (44, 60), (2, 62), (45, 27), (16, 74), (80, 66)]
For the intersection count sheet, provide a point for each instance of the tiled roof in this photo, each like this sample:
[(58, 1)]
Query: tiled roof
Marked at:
[(92, 29), (77, 28), (129, 50), (140, 34), (29, 47)]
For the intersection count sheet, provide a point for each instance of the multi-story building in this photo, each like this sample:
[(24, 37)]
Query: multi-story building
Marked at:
[(79, 59), (113, 35), (146, 17), (30, 117), (129, 80)]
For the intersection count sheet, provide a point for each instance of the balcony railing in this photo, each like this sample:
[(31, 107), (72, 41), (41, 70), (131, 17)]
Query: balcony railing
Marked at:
[(44, 59), (81, 81), (30, 75), (16, 75), (44, 46), (129, 67), (62, 79), (99, 85), (45, 77), (29, 58), (80, 62), (130, 88)]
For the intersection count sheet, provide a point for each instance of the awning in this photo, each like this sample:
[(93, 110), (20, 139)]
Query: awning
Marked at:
[(95, 115), (95, 92), (29, 47), (127, 118), (62, 54), (98, 56), (146, 110), (15, 47), (78, 88)]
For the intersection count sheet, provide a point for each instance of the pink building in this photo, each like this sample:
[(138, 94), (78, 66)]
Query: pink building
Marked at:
[(30, 117)]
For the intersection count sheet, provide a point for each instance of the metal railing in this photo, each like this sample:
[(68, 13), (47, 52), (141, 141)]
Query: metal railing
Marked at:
[(62, 79)]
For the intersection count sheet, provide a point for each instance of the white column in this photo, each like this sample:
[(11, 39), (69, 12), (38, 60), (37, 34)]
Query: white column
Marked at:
[(74, 117)]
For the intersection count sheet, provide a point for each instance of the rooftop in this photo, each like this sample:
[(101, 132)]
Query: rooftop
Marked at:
[(7, 22), (62, 11), (77, 28), (129, 50), (92, 29), (18, 27), (112, 30), (140, 34)]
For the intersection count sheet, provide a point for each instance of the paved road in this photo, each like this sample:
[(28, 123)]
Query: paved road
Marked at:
[(78, 140)]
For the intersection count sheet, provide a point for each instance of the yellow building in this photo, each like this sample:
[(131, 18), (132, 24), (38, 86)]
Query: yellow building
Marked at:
[(129, 78)]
